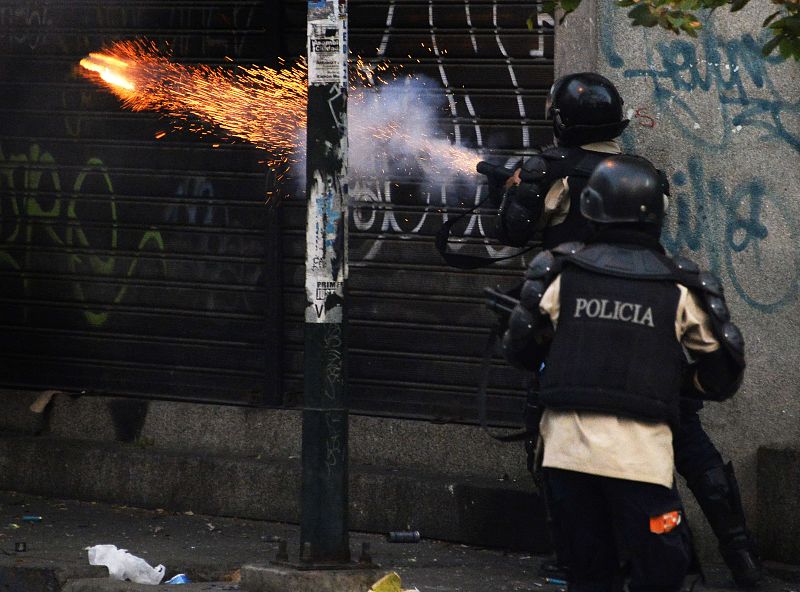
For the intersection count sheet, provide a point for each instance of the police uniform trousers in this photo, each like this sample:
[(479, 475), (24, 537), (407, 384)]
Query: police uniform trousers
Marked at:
[(695, 453), (605, 527)]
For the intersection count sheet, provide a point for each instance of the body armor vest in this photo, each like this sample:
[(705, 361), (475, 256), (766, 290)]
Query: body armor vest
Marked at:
[(615, 349)]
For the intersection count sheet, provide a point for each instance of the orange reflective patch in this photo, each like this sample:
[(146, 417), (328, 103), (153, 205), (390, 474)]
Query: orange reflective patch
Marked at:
[(665, 523)]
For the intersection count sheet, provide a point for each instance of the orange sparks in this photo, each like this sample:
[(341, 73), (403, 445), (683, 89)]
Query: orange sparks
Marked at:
[(258, 104), (263, 106)]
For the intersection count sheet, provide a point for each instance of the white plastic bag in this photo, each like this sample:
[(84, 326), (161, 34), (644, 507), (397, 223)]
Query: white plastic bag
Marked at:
[(124, 566)]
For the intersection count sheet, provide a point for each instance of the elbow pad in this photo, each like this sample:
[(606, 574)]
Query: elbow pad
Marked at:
[(527, 339), (729, 336), (719, 375)]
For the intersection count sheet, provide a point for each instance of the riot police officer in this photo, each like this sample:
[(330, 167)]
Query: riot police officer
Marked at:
[(611, 319), (543, 196)]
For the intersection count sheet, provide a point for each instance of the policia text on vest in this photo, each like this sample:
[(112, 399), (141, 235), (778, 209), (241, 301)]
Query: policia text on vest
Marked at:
[(629, 312)]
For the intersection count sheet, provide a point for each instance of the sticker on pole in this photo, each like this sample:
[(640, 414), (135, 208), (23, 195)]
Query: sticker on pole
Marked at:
[(325, 54), (326, 267), (326, 43)]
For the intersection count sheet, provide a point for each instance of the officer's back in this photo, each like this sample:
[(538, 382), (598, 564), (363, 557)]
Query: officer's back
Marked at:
[(610, 320)]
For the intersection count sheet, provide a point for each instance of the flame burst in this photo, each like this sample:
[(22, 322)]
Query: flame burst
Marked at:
[(265, 106)]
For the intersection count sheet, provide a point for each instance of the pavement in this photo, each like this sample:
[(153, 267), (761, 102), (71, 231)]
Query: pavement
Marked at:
[(212, 550)]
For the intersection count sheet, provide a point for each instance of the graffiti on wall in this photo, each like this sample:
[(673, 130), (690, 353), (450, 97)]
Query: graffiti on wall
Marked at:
[(712, 91), (25, 24), (731, 73), (383, 209), (387, 210), (41, 206)]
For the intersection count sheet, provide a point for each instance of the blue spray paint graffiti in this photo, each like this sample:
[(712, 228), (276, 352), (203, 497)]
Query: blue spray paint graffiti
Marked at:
[(727, 225), (726, 68), (723, 217)]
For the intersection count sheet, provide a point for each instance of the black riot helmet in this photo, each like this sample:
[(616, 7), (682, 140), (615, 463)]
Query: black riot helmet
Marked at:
[(585, 107), (625, 189)]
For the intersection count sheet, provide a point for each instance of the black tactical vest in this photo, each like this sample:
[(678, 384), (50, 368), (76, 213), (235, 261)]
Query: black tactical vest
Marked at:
[(615, 349), (577, 164)]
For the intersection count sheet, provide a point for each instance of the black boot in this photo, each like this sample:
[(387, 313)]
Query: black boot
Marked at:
[(717, 492)]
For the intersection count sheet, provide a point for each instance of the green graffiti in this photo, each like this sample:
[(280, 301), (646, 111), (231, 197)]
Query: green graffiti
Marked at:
[(31, 167), (77, 237), (22, 209)]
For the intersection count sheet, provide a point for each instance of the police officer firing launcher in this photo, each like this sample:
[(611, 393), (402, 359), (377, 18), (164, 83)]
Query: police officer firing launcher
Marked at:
[(610, 319), (542, 196)]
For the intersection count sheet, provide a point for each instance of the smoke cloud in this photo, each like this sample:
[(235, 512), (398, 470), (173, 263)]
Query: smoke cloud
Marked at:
[(394, 131)]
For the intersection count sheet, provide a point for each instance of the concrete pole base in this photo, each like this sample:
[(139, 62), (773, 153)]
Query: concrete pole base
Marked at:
[(271, 578)]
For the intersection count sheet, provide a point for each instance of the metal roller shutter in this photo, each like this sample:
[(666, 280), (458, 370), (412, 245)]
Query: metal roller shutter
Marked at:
[(129, 264), (418, 327)]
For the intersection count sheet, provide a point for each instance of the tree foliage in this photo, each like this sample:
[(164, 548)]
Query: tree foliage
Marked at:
[(681, 16)]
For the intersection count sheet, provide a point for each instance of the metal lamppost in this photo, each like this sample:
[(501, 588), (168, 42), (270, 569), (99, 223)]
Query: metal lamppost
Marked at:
[(324, 535)]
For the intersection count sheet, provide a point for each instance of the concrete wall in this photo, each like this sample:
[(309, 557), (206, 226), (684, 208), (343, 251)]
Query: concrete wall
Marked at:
[(725, 124)]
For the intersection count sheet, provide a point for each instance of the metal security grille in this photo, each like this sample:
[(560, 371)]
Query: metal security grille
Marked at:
[(417, 327), (130, 264)]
